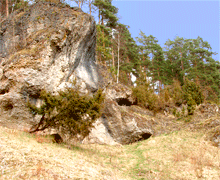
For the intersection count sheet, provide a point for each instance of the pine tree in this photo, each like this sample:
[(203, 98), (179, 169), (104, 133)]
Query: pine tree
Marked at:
[(192, 59), (127, 53), (107, 21), (177, 60), (152, 58)]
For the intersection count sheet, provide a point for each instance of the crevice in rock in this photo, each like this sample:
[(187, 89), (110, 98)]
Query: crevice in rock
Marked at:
[(7, 105), (145, 136), (4, 91), (56, 138), (124, 102), (56, 50)]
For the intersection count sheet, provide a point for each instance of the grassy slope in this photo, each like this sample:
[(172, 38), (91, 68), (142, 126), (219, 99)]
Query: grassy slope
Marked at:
[(22, 157), (178, 155)]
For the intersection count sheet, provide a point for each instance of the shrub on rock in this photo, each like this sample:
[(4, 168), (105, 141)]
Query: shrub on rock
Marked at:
[(69, 111)]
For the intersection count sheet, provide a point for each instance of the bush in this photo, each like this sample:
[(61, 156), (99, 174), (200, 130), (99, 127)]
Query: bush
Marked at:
[(145, 97), (210, 95), (69, 111), (191, 105), (171, 96), (177, 93), (192, 95), (192, 90)]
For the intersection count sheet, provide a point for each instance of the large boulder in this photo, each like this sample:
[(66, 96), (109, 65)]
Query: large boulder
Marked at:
[(121, 124), (46, 47)]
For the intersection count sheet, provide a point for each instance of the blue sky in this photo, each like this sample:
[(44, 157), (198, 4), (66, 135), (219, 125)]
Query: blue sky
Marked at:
[(168, 19)]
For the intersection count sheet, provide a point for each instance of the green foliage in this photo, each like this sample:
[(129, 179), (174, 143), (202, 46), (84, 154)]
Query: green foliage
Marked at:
[(103, 44), (12, 6), (210, 95), (107, 11), (177, 93), (191, 105), (123, 78), (174, 111), (192, 59), (107, 20), (51, 1), (193, 95), (171, 96), (153, 62), (192, 91), (69, 110), (181, 59), (20, 4), (178, 114), (128, 52), (145, 97), (183, 111)]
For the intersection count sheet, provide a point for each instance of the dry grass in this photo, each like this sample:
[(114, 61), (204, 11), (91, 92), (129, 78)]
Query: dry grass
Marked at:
[(179, 155), (22, 157)]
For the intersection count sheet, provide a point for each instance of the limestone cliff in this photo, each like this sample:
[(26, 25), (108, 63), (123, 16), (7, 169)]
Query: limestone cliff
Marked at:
[(46, 47)]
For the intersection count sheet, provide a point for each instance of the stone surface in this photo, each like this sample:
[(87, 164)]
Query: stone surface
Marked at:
[(44, 47), (123, 124), (48, 47)]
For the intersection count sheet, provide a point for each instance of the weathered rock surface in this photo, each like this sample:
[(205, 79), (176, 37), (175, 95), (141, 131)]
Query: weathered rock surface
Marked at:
[(47, 47), (120, 124), (44, 47)]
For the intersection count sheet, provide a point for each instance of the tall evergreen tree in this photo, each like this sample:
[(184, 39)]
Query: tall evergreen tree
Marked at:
[(176, 55), (107, 21), (127, 50), (192, 59), (152, 58), (203, 67)]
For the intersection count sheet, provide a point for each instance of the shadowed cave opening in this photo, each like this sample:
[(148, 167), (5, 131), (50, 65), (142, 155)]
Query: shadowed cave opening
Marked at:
[(125, 102), (4, 91), (56, 138), (145, 136)]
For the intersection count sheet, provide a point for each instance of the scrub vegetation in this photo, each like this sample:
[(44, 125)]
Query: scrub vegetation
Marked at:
[(70, 111)]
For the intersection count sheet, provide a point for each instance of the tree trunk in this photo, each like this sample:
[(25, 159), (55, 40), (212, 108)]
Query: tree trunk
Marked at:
[(90, 7), (79, 3), (6, 8), (113, 56), (182, 67), (99, 17), (118, 57)]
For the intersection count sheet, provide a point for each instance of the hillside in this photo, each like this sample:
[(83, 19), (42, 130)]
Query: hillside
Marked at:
[(58, 77), (178, 155)]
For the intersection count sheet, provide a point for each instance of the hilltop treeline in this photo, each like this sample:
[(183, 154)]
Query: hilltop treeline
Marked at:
[(181, 60)]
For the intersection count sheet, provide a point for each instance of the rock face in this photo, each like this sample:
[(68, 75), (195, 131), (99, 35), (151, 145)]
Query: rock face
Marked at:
[(120, 124), (46, 47)]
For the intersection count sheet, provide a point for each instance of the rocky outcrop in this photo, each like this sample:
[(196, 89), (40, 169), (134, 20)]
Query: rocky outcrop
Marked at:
[(120, 124), (48, 46), (44, 47)]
